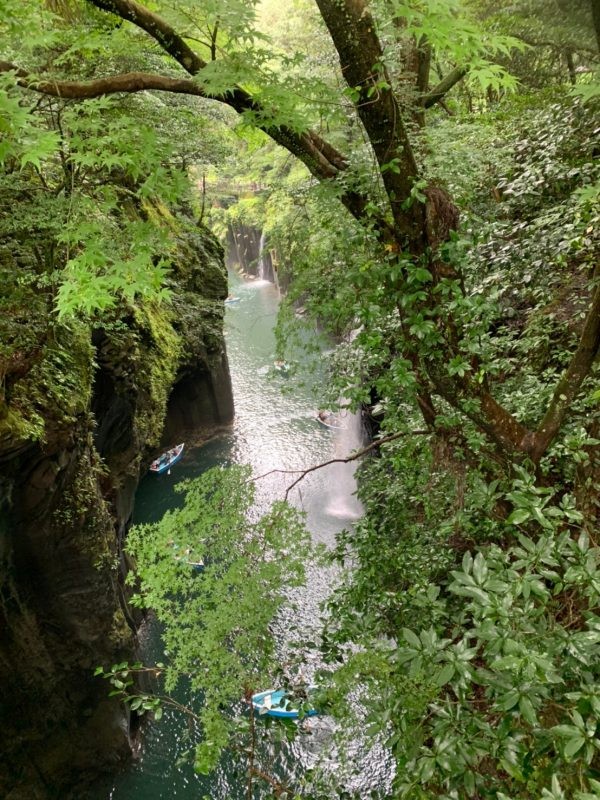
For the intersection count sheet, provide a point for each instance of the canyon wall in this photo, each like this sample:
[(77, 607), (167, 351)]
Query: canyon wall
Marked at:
[(84, 407)]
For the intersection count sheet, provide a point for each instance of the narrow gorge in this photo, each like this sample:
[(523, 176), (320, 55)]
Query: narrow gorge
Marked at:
[(82, 412)]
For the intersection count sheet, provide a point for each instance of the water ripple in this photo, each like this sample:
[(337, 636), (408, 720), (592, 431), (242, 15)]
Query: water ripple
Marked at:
[(272, 431)]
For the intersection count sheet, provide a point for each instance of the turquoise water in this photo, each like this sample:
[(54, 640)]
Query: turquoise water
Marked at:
[(272, 429)]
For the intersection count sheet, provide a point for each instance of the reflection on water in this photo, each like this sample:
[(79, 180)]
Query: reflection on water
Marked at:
[(271, 431)]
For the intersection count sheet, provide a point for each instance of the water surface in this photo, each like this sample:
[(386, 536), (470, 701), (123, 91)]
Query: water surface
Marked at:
[(275, 427)]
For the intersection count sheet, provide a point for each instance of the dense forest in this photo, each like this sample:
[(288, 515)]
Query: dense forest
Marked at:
[(424, 177)]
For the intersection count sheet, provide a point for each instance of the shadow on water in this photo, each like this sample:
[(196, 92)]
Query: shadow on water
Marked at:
[(272, 430)]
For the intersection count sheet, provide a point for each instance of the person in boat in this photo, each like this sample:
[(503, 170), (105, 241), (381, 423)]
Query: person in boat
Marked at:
[(324, 415)]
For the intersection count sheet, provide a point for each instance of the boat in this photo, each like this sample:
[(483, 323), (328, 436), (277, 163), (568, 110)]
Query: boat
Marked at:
[(330, 420), (184, 557), (165, 461), (276, 703), (229, 301), (196, 566)]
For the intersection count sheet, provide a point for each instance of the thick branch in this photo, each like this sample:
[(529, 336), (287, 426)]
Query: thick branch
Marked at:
[(499, 424), (443, 87), (158, 28), (84, 90), (570, 383), (321, 158)]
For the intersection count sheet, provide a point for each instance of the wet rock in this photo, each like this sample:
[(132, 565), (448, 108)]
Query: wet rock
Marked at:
[(81, 419)]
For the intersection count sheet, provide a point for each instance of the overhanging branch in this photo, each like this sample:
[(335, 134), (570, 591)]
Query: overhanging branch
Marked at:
[(352, 457), (127, 82), (321, 158), (157, 27)]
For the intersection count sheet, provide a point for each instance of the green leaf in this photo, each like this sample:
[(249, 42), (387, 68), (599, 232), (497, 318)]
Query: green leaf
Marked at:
[(508, 701), (411, 638), (527, 710), (444, 675), (480, 569), (518, 516), (573, 746)]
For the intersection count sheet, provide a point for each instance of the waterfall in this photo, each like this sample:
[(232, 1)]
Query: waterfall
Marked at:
[(262, 266), (343, 501), (247, 253)]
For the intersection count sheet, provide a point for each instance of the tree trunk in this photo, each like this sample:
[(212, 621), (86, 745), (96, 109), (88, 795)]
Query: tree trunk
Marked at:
[(596, 19), (353, 33)]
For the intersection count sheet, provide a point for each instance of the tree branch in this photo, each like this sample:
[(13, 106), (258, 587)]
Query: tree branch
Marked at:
[(570, 383), (158, 28), (128, 82), (321, 158), (443, 87), (492, 418), (356, 455)]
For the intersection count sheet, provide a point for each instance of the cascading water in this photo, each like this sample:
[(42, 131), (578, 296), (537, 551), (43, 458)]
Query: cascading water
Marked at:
[(262, 267), (347, 438), (266, 269)]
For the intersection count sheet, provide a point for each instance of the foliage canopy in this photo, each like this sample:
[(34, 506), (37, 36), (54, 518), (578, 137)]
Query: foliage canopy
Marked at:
[(474, 590)]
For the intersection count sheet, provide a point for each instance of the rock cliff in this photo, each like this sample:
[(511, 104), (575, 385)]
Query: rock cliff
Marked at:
[(83, 409)]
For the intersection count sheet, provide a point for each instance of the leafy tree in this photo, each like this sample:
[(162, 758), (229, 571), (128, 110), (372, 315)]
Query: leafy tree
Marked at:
[(560, 38), (418, 216), (216, 577), (488, 334)]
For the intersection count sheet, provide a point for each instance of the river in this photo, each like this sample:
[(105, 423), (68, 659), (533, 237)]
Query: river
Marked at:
[(275, 427)]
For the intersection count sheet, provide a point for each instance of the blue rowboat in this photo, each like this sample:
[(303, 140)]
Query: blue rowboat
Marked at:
[(276, 703), (229, 301), (165, 461)]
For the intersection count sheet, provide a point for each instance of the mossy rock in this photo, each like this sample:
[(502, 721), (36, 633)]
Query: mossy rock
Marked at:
[(160, 355)]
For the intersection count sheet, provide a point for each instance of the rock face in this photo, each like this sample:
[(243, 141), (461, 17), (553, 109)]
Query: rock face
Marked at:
[(247, 251), (82, 412)]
